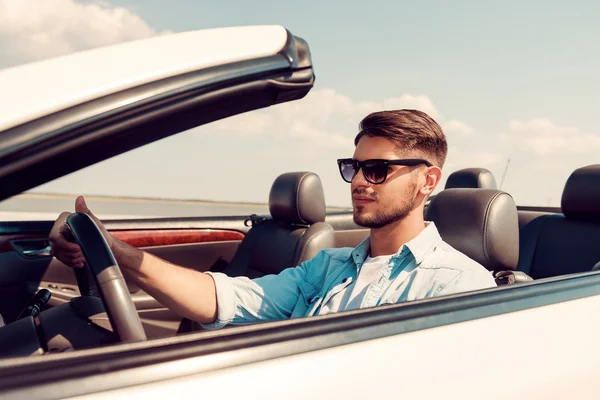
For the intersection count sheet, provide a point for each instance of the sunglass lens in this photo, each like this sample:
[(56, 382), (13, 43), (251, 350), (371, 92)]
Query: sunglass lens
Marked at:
[(375, 173), (348, 171)]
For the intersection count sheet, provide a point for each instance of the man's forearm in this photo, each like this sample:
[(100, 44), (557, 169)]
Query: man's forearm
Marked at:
[(189, 293)]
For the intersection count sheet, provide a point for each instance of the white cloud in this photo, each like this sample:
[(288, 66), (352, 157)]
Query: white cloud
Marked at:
[(319, 106), (455, 127), (320, 118), (327, 118), (542, 137), (420, 102), (310, 135), (247, 124), (36, 29), (408, 101), (484, 159), (459, 158)]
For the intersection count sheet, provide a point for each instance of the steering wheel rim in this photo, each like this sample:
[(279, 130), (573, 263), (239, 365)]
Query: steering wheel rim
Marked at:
[(107, 275)]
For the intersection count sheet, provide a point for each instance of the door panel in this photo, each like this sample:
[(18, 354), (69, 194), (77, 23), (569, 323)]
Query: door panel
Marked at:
[(158, 321), (16, 269), (26, 267), (18, 277), (214, 256)]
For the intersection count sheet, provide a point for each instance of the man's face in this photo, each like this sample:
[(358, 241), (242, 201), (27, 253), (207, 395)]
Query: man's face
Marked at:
[(376, 206)]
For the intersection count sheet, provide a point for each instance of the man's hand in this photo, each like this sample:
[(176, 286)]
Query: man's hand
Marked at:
[(189, 293), (65, 251)]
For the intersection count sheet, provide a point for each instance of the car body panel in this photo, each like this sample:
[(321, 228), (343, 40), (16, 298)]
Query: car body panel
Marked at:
[(37, 89), (508, 356), (51, 146), (485, 330)]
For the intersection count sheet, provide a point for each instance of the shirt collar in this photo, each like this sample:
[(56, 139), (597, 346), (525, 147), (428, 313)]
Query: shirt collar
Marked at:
[(420, 246)]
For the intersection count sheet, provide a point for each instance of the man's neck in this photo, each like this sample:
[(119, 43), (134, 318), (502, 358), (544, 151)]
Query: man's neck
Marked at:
[(388, 239)]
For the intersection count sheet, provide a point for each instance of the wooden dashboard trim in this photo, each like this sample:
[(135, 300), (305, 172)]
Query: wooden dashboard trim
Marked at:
[(146, 238), (167, 237)]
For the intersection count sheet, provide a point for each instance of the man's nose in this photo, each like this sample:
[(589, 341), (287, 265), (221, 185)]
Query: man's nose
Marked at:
[(359, 180)]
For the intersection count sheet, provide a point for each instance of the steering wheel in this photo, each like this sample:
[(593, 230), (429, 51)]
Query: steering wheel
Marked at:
[(103, 273)]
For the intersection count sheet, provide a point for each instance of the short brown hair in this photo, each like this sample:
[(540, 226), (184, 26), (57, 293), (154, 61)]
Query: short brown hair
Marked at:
[(411, 130)]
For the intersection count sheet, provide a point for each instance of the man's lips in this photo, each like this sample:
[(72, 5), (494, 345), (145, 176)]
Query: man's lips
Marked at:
[(361, 200)]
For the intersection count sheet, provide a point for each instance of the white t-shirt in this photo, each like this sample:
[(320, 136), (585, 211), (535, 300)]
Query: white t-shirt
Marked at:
[(352, 295)]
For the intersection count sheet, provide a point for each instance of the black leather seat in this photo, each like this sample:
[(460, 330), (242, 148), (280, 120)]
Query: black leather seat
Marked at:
[(295, 233), (560, 244), (482, 224), (471, 178)]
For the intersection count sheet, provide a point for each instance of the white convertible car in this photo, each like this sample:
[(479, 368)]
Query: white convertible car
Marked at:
[(534, 336)]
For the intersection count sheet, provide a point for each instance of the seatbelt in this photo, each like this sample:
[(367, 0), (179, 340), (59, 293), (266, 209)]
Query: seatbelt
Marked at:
[(239, 263), (254, 220)]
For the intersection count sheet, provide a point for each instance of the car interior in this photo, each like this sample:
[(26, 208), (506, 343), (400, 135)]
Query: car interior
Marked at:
[(554, 244), (516, 244), (296, 231)]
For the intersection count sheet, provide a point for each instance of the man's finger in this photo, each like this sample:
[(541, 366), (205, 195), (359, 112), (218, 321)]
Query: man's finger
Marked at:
[(60, 221), (73, 260), (70, 255), (62, 217), (81, 206), (62, 243), (59, 242)]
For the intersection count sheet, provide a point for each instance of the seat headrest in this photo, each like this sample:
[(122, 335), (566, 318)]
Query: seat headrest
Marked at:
[(471, 178), (581, 195), (297, 198), (481, 223)]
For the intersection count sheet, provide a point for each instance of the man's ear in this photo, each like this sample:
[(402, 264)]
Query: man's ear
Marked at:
[(433, 176)]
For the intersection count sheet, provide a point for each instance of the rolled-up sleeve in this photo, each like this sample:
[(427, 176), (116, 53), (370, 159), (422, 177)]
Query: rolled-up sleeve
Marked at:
[(241, 300), (225, 300)]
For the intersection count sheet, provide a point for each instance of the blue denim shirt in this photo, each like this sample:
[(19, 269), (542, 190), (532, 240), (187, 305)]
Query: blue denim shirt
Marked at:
[(423, 267)]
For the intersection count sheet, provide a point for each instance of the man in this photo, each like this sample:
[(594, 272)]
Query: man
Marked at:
[(396, 166)]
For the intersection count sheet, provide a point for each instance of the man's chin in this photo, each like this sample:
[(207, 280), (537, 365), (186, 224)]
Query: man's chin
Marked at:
[(374, 220), (364, 220)]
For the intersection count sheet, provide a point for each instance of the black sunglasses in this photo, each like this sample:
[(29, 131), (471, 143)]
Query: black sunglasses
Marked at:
[(375, 171)]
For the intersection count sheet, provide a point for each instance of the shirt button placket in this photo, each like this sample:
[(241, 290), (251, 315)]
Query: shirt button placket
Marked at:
[(376, 288)]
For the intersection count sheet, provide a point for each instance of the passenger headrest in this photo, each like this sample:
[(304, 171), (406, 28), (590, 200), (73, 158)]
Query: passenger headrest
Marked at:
[(471, 178), (581, 195), (297, 198), (481, 223)]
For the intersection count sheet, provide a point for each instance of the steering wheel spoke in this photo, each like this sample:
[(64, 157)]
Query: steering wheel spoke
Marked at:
[(107, 277)]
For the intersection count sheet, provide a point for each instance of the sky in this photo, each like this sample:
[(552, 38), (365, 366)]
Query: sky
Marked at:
[(506, 80)]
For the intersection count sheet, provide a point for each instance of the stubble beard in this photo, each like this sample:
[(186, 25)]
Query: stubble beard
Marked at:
[(382, 218)]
